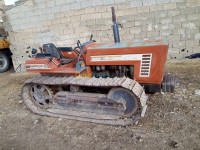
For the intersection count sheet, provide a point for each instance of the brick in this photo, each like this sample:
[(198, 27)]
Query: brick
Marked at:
[(136, 3), (173, 13), (106, 15), (169, 6), (135, 30), (106, 2), (187, 36), (69, 13), (192, 43), (120, 13), (47, 11), (43, 17), (97, 2), (187, 11), (50, 3), (174, 50), (59, 15), (180, 18), (56, 9), (100, 9), (120, 1), (181, 5), (85, 17), (130, 11), (68, 31), (21, 15), (100, 21), (28, 14), (193, 17), (179, 44), (152, 34), (103, 27), (34, 18), (189, 25), (65, 20), (64, 8), (166, 21), (197, 36), (55, 21), (193, 3), (70, 1), (85, 4), (143, 9), (78, 12), (75, 6), (125, 31), (124, 6), (149, 2), (128, 24), (177, 1), (156, 7), (75, 18), (162, 1), (95, 28), (196, 49), (149, 27), (37, 12), (179, 31), (161, 14), (137, 23), (60, 2), (36, 29), (89, 10), (197, 10), (174, 37), (165, 32), (96, 16), (50, 16)]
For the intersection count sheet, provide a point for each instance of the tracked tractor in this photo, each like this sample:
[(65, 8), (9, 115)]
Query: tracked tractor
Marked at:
[(97, 82)]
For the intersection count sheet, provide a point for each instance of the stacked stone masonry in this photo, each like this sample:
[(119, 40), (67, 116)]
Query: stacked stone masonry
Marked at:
[(62, 22)]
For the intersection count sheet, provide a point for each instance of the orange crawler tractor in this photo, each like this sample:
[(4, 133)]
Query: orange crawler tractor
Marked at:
[(100, 83)]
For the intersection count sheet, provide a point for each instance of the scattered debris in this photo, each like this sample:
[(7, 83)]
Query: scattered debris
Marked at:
[(173, 144), (36, 121), (176, 96), (139, 138), (20, 101), (51, 122), (197, 92), (196, 55)]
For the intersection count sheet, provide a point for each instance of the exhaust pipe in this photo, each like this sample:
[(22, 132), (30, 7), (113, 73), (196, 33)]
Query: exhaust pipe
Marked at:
[(115, 26)]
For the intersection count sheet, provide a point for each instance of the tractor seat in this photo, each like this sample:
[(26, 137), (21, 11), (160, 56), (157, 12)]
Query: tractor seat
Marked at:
[(66, 61)]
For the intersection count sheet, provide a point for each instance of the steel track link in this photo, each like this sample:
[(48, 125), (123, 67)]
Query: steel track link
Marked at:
[(124, 82)]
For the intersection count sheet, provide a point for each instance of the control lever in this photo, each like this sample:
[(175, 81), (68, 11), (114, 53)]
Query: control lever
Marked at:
[(91, 37)]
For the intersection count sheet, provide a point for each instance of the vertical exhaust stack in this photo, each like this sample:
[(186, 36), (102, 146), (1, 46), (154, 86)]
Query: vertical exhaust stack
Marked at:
[(115, 26)]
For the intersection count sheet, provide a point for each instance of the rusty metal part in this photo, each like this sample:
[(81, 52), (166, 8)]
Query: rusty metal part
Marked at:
[(112, 118), (168, 83), (129, 100), (41, 95)]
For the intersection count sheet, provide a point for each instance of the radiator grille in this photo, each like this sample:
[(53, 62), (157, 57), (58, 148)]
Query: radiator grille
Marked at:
[(145, 65)]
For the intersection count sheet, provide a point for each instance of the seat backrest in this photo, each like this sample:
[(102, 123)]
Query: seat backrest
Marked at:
[(52, 49)]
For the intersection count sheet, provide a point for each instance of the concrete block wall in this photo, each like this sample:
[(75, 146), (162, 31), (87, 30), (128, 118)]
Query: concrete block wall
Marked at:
[(62, 22)]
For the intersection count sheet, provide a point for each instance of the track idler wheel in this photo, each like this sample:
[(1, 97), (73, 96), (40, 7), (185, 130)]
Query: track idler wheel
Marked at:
[(41, 95), (127, 98)]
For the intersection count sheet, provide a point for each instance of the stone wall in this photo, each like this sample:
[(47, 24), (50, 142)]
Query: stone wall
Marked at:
[(62, 22)]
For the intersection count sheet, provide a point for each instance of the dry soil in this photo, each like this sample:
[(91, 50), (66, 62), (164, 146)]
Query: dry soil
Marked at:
[(172, 120)]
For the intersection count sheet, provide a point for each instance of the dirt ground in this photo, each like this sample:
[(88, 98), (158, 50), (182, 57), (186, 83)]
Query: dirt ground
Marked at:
[(172, 121)]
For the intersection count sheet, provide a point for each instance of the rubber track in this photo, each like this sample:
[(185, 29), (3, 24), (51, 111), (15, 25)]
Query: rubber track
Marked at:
[(124, 82)]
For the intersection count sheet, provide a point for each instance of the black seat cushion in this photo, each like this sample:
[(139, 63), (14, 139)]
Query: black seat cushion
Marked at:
[(65, 49), (66, 61)]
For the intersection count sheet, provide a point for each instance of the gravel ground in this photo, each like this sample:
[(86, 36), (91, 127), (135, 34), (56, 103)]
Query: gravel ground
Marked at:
[(172, 121)]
